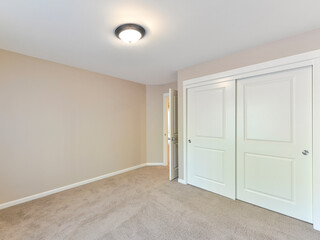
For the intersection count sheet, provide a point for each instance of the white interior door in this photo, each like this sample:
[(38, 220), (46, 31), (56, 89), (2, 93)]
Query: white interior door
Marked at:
[(211, 137), (173, 134), (274, 142)]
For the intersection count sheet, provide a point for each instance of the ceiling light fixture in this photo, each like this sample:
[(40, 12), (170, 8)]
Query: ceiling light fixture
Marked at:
[(130, 32)]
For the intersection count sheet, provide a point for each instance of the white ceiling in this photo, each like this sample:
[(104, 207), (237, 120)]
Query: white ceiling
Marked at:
[(180, 33)]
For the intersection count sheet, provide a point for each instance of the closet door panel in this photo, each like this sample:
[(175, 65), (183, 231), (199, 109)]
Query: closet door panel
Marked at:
[(274, 128), (211, 135)]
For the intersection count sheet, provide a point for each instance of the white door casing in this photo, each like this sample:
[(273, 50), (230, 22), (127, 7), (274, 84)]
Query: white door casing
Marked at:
[(173, 134), (274, 132), (211, 138)]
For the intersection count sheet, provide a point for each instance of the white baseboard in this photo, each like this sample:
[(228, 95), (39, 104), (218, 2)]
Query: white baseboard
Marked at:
[(155, 164), (43, 194), (316, 227), (182, 181)]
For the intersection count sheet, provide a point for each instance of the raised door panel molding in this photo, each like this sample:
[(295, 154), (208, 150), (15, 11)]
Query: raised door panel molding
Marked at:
[(269, 176), (268, 110), (210, 112)]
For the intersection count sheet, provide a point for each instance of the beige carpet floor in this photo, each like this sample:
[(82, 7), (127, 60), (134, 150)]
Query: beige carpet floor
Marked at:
[(143, 204)]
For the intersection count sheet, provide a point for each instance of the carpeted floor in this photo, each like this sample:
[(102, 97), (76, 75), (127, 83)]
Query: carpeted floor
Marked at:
[(143, 204)]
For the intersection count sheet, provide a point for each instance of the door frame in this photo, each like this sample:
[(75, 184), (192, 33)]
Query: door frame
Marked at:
[(164, 136), (296, 61)]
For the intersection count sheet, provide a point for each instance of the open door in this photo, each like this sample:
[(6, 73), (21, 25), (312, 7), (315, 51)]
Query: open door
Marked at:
[(173, 134)]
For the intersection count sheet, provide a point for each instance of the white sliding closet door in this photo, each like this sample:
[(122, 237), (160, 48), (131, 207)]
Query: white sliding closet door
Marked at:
[(211, 137), (274, 142)]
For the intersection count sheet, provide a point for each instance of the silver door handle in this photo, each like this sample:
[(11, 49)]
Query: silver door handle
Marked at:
[(173, 139), (305, 152), (169, 138)]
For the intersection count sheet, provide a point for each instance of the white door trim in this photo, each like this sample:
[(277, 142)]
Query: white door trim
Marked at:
[(316, 143), (312, 55), (164, 137), (306, 59)]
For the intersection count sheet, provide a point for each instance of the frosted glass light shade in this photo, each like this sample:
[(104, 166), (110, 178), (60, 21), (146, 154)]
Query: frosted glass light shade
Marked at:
[(130, 35)]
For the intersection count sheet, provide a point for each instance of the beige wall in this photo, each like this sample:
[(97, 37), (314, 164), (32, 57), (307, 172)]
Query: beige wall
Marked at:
[(155, 121), (60, 125), (286, 47)]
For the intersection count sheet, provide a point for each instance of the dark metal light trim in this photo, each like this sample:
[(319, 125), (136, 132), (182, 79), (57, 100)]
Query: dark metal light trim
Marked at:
[(127, 26)]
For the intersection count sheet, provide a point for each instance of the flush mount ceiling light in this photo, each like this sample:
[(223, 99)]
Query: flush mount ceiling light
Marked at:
[(130, 32)]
